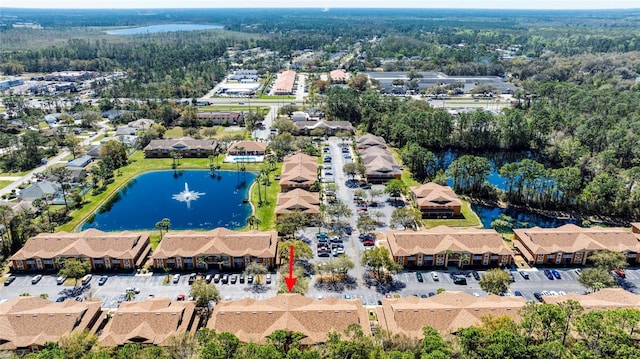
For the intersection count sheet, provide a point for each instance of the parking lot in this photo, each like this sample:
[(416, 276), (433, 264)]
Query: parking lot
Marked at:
[(116, 285)]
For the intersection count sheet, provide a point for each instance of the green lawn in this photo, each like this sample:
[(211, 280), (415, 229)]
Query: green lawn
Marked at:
[(4, 184), (470, 219), (138, 164), (266, 212), (230, 107)]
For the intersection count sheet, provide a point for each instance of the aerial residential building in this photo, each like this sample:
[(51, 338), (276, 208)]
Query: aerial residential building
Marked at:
[(298, 171), (570, 244), (28, 323), (103, 250), (284, 83), (149, 322), (444, 246), (218, 248), (369, 140), (247, 148), (379, 165), (298, 200), (329, 128), (252, 320), (185, 147), (446, 312), (221, 118), (434, 200)]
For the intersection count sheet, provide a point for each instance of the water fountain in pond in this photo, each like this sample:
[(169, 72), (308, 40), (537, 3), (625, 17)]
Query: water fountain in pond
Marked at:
[(187, 195)]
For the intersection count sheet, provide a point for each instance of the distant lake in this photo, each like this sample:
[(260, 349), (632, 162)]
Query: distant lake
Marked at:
[(163, 28), (212, 201)]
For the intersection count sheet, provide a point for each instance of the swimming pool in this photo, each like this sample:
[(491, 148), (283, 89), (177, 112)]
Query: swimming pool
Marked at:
[(234, 159)]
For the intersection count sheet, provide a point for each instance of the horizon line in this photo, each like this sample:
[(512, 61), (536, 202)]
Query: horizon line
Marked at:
[(318, 7)]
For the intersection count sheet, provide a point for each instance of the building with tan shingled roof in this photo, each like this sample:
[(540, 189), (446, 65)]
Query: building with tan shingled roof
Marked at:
[(103, 250), (298, 200), (435, 200), (221, 246), (445, 246), (149, 322), (446, 312), (570, 244), (298, 171), (607, 298), (252, 320), (27, 323)]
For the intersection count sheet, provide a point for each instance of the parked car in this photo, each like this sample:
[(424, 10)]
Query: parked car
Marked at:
[(336, 239), (326, 159), (122, 298), (556, 274), (268, 278), (9, 280), (419, 277), (548, 274), (620, 273), (192, 278), (435, 276), (524, 274), (369, 242), (250, 279), (36, 279), (180, 297), (538, 296), (176, 278), (60, 280), (518, 293), (102, 280), (578, 271), (241, 277), (208, 278), (60, 299), (475, 275), (225, 279), (216, 278), (458, 279), (322, 235), (133, 290), (86, 279), (233, 279)]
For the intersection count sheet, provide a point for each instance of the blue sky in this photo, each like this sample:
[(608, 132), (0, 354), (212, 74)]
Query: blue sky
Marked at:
[(467, 4)]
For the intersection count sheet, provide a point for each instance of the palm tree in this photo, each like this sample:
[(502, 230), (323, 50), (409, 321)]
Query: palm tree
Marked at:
[(463, 259), (165, 223), (253, 221), (201, 261)]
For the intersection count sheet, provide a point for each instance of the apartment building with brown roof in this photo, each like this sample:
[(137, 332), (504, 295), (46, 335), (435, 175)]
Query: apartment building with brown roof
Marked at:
[(149, 322), (338, 76), (329, 128), (444, 246), (252, 320), (298, 200), (27, 323), (221, 248), (221, 118), (603, 299), (434, 200), (185, 147), (370, 140), (247, 148), (446, 312), (104, 250), (572, 245), (379, 164), (298, 171)]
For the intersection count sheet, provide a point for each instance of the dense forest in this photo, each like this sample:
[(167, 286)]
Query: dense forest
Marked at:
[(545, 331)]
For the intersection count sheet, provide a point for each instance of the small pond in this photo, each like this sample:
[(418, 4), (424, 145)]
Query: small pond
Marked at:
[(162, 28), (525, 218), (192, 199)]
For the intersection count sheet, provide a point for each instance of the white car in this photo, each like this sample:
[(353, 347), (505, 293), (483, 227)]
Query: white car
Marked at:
[(435, 277)]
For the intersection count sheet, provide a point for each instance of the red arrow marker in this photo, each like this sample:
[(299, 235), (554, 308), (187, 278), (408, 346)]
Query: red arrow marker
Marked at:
[(291, 280)]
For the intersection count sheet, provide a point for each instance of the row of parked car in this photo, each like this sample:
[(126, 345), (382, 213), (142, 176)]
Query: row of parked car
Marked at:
[(224, 278)]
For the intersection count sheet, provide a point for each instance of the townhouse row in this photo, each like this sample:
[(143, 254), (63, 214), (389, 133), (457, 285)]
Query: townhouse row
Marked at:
[(155, 320), (224, 249)]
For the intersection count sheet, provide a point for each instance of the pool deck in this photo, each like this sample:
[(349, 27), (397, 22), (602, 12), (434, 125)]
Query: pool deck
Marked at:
[(248, 159)]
